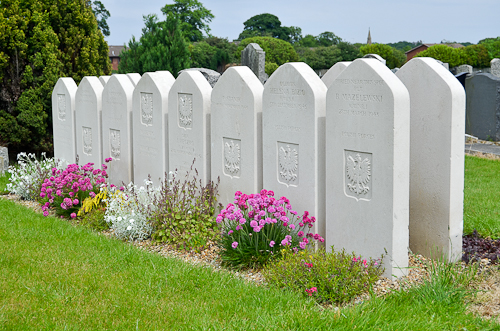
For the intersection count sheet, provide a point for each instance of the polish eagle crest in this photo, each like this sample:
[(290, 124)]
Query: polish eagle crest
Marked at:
[(61, 105), (87, 141), (288, 159), (115, 143), (185, 110), (232, 157), (359, 173), (146, 109)]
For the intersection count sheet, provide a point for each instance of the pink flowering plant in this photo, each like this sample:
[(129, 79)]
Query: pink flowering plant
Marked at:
[(328, 277), (259, 227), (66, 189)]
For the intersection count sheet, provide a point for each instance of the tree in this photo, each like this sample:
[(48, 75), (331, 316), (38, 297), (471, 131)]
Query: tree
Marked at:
[(277, 51), (393, 57), (213, 53), (267, 25), (101, 14), (475, 55), (348, 51), (321, 57), (309, 41), (41, 41), (328, 38), (443, 53), (492, 45), (193, 16), (161, 47)]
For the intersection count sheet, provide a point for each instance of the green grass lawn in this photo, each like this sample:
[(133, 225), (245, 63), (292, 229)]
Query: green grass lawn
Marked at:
[(482, 196), (55, 276)]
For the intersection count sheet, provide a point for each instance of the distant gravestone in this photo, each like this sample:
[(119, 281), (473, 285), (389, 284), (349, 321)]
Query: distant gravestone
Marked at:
[(461, 78), (437, 128), (88, 106), (189, 125), (293, 117), (4, 159), (254, 57), (495, 67), (150, 146), (117, 128), (104, 79), (210, 75), (236, 120), (367, 164), (464, 68), (63, 119), (134, 78), (375, 56), (334, 71), (483, 106)]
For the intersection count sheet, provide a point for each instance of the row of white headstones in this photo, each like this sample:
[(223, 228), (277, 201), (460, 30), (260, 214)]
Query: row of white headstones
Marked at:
[(377, 157)]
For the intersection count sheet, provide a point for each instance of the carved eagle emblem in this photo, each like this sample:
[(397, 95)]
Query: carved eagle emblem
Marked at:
[(146, 109), (185, 110), (115, 143), (87, 141), (288, 160), (232, 157), (61, 105), (359, 174)]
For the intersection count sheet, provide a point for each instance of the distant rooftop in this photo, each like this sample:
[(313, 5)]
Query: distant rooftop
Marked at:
[(455, 45), (115, 50)]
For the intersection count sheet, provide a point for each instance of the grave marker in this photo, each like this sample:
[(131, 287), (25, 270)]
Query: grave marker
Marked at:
[(134, 78), (4, 159), (63, 119), (150, 146), (236, 119), (189, 125), (495, 67), (254, 57), (104, 79), (117, 128), (367, 164), (293, 117), (88, 106), (437, 128), (464, 68), (334, 71)]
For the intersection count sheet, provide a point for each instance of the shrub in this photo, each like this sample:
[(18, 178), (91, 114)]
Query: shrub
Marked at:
[(394, 58), (335, 277), (260, 227), (184, 213), (443, 53), (66, 189), (129, 209), (94, 220), (27, 178)]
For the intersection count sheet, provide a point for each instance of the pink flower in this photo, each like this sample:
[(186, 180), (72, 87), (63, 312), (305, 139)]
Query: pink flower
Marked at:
[(42, 195), (238, 227), (46, 213), (364, 263), (92, 195), (302, 245), (234, 244), (256, 229), (108, 159), (271, 244), (292, 226), (253, 223), (242, 220), (300, 233), (229, 233), (309, 265), (73, 215), (219, 219), (311, 290), (75, 202)]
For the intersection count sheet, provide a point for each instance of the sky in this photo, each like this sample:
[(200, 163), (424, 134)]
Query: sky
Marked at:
[(389, 21)]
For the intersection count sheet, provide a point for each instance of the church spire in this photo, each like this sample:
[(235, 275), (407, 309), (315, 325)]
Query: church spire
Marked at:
[(369, 40)]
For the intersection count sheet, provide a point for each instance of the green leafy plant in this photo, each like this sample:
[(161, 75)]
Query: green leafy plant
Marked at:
[(184, 213), (335, 277), (258, 228), (94, 220)]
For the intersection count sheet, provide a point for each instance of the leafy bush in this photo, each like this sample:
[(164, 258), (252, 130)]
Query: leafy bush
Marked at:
[(94, 220), (474, 55), (492, 45), (335, 277), (320, 57), (66, 189), (393, 57), (184, 213), (27, 178), (259, 228), (270, 67), (129, 210)]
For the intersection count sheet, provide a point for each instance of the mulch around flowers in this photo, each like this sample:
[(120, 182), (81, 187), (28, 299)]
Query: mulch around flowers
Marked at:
[(417, 272)]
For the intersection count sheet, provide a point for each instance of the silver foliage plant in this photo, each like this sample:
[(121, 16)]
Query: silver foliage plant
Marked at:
[(27, 178), (126, 212)]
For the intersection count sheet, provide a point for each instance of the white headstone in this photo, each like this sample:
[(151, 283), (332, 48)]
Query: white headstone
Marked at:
[(334, 71), (437, 127), (376, 57), (134, 78), (63, 119), (189, 125), (117, 128), (367, 164), (464, 68), (495, 67), (150, 144), (236, 119), (293, 119), (88, 121), (104, 79)]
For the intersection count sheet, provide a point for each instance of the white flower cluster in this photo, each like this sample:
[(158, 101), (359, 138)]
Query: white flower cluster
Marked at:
[(30, 174), (126, 211)]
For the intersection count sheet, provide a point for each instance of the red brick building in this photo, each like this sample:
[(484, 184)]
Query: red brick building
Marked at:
[(114, 56), (414, 51)]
